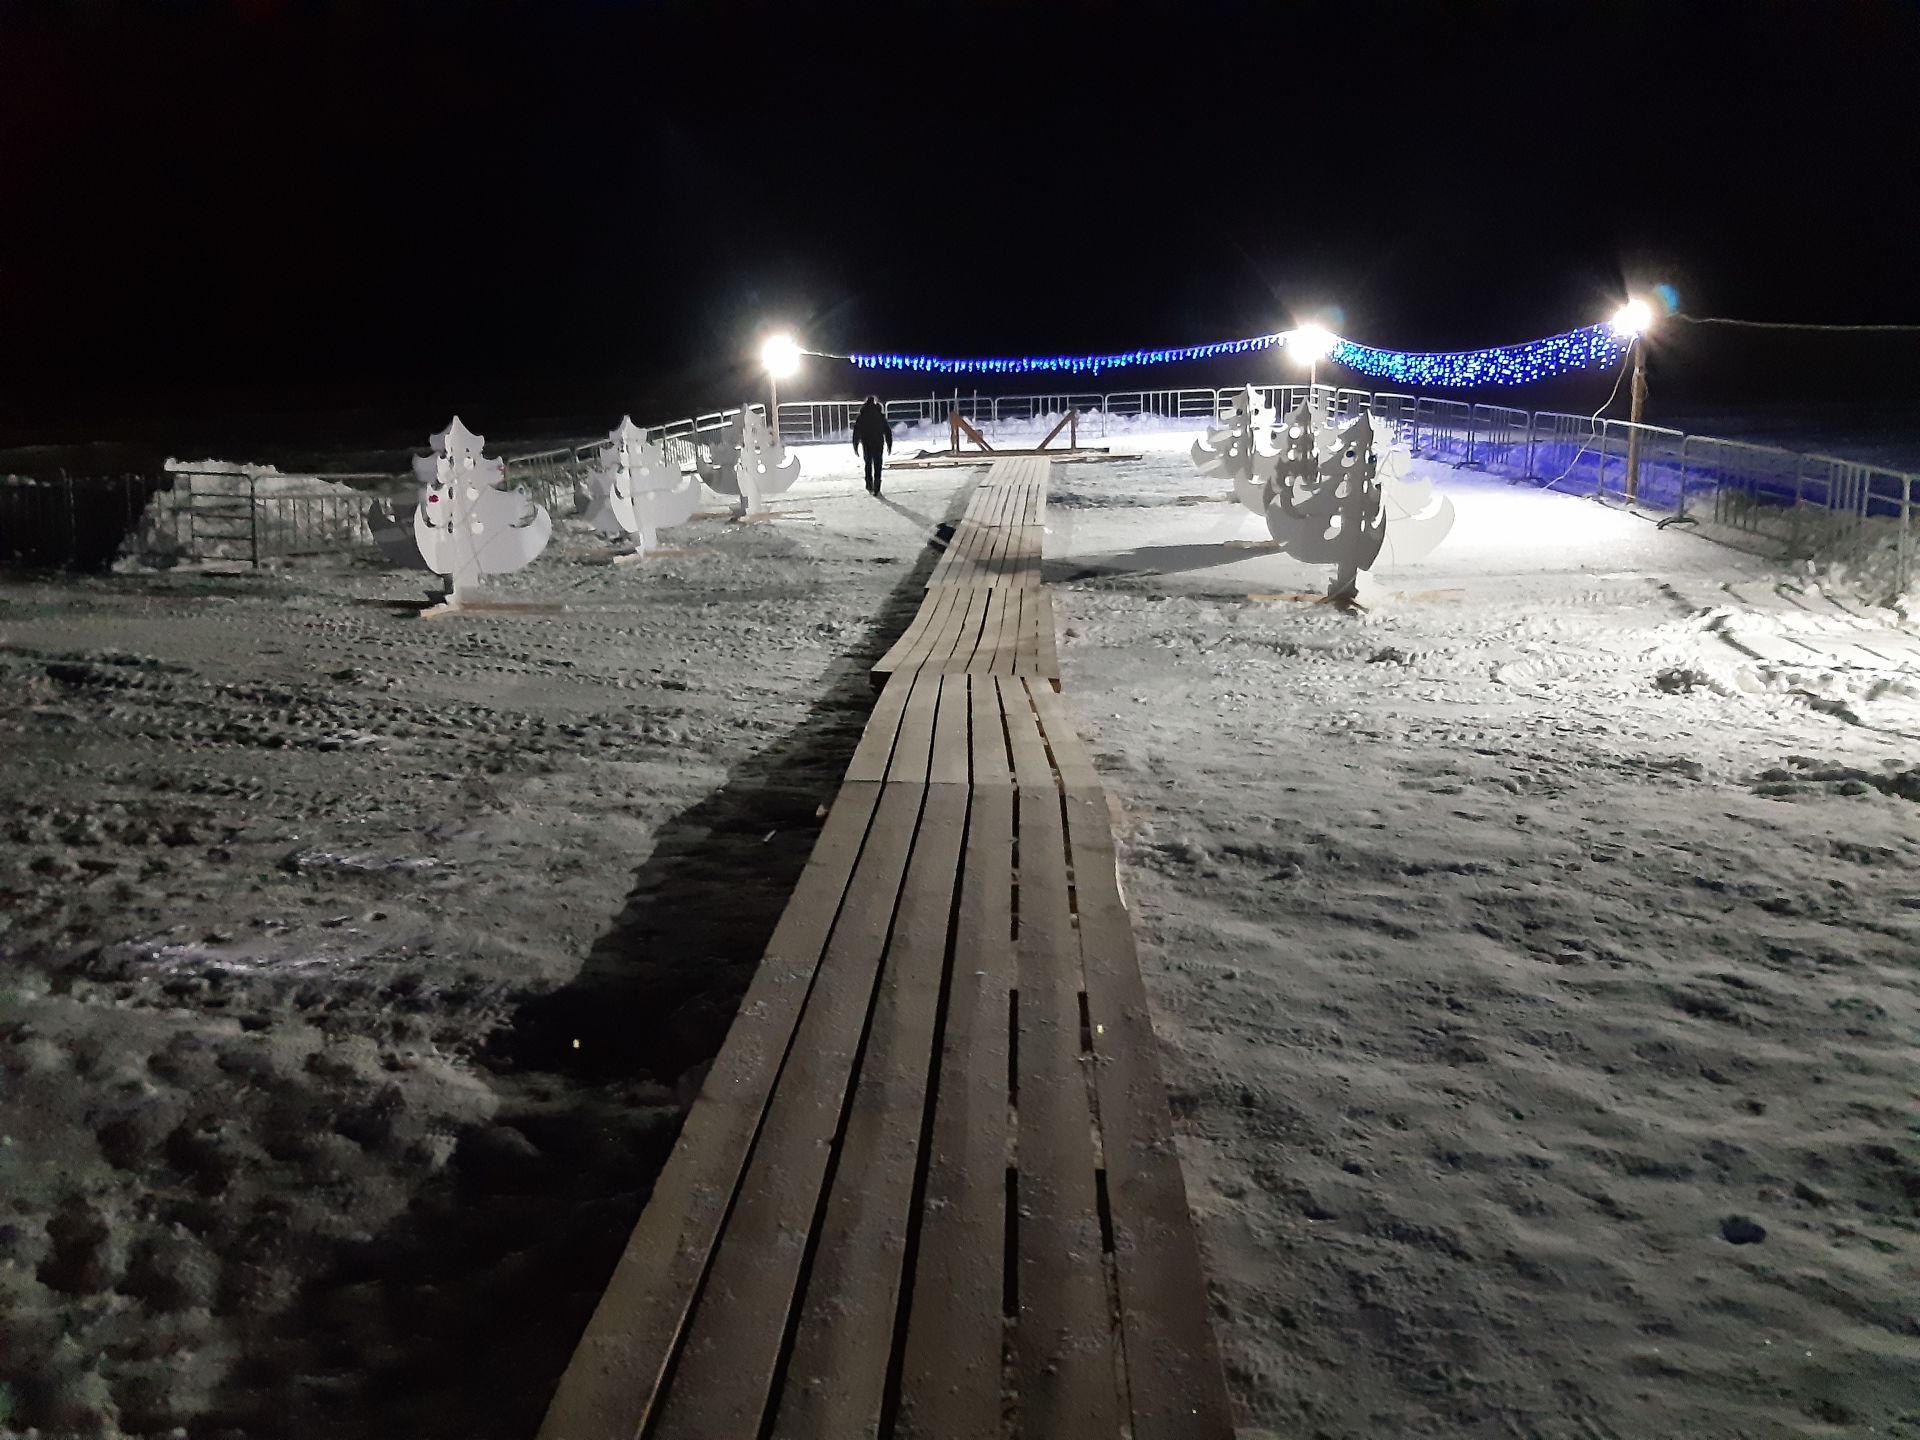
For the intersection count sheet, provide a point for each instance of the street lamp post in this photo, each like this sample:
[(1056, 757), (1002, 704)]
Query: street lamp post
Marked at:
[(1308, 346), (1631, 321), (781, 356)]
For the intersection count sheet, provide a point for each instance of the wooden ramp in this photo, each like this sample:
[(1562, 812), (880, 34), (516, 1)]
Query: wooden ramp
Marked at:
[(930, 1186)]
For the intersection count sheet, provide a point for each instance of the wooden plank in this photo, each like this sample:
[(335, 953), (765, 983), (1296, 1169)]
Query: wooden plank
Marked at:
[(992, 762), (950, 763), (914, 747), (1070, 757), (726, 1367), (950, 1383), (1031, 769), (842, 1349), (1049, 662), (1064, 1360), (987, 654), (1027, 638), (954, 621), (609, 1388), (874, 753), (968, 641), (1174, 1379), (912, 645)]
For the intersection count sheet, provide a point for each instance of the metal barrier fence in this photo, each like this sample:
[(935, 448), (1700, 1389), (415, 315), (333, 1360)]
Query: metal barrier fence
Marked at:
[(1800, 504)]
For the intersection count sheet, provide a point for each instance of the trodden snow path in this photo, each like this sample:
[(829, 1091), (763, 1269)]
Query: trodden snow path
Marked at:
[(1536, 956)]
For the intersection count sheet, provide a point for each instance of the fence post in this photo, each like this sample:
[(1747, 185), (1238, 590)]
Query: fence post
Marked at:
[(253, 520), (1799, 489), (1532, 421), (1903, 566), (73, 529)]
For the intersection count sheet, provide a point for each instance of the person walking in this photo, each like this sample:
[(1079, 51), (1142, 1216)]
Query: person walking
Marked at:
[(873, 438)]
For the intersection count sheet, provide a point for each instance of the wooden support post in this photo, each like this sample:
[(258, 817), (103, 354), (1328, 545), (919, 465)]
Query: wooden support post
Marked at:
[(958, 425), (1071, 418)]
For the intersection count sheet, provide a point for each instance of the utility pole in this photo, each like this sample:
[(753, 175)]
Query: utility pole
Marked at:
[(1633, 416)]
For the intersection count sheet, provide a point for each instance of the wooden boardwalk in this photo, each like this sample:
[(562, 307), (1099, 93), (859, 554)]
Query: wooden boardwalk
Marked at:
[(986, 612), (930, 1187)]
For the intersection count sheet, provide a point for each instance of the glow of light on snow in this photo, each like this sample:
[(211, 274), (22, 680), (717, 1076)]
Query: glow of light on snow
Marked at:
[(781, 356)]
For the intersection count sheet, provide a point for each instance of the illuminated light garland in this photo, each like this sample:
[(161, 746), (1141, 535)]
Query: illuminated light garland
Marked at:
[(1501, 365), (1075, 364)]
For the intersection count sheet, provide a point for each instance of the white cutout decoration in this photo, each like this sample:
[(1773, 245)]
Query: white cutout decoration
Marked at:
[(467, 526), (637, 490), (748, 461), (1301, 441), (716, 455), (1418, 516), (1336, 518), (1232, 451)]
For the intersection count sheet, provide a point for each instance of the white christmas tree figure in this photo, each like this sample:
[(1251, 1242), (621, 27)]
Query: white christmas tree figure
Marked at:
[(1233, 451), (758, 464), (716, 457), (1302, 438), (1418, 516), (1337, 519), (467, 526), (637, 491)]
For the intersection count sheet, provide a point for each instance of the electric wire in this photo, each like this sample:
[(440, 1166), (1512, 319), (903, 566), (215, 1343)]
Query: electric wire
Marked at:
[(1900, 327), (1593, 421)]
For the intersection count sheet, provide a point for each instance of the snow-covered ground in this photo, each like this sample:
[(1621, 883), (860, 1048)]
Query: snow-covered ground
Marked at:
[(1524, 945), (356, 967)]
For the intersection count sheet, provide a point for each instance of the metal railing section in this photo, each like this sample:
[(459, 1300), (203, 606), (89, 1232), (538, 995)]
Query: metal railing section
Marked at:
[(1799, 503)]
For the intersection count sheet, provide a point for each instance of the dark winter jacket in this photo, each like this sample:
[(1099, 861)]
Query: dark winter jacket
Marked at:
[(870, 429)]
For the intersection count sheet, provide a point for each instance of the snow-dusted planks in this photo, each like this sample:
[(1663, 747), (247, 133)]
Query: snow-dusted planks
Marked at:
[(999, 540), (965, 630), (986, 612), (930, 1180)]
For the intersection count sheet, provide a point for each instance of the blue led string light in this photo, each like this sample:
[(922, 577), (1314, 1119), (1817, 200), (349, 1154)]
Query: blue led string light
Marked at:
[(1501, 365), (1076, 364)]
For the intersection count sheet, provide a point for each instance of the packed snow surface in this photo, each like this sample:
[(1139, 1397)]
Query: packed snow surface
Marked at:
[(1533, 948)]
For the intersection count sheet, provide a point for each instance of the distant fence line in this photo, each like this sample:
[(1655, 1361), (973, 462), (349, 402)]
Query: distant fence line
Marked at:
[(1795, 502), (250, 515)]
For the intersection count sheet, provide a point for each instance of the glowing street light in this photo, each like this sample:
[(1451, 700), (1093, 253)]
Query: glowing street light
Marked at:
[(1631, 323), (1632, 319), (1309, 345), (781, 357)]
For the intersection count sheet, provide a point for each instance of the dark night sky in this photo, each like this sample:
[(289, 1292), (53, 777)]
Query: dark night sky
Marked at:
[(387, 210)]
